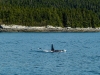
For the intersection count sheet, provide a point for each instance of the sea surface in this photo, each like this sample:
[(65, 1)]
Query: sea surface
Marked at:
[(29, 54)]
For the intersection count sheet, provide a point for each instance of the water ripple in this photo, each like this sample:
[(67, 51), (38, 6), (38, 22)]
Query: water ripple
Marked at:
[(94, 72)]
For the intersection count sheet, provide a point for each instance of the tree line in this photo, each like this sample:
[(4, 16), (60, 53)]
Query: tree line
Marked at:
[(64, 13)]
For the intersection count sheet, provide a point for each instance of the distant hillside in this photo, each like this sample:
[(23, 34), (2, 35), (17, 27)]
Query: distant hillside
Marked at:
[(65, 13)]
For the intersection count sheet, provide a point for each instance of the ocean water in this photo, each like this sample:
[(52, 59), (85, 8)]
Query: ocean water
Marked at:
[(28, 54)]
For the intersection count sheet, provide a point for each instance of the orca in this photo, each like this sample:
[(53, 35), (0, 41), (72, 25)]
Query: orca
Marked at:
[(53, 50)]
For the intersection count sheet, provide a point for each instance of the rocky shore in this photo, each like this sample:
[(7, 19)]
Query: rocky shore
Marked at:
[(17, 28)]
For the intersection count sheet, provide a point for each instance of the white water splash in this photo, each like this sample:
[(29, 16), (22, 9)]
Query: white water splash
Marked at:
[(52, 51), (47, 51)]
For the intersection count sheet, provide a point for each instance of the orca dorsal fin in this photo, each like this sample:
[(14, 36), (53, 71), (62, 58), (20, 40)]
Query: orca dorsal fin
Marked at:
[(52, 48)]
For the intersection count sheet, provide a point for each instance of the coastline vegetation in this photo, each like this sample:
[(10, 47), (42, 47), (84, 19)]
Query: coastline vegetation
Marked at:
[(64, 13)]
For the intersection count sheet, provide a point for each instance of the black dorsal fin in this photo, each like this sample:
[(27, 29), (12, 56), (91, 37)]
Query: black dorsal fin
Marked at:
[(52, 48)]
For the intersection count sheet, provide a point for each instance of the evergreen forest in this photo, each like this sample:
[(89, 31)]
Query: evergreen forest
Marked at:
[(64, 13)]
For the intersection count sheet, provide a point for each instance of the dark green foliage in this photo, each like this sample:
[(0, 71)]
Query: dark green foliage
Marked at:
[(64, 17), (64, 13)]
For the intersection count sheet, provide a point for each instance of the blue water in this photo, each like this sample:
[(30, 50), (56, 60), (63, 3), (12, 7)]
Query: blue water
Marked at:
[(20, 54)]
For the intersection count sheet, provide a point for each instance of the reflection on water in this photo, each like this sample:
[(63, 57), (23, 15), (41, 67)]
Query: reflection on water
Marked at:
[(20, 54)]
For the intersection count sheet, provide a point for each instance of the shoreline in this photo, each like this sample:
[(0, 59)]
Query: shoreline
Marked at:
[(48, 28)]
